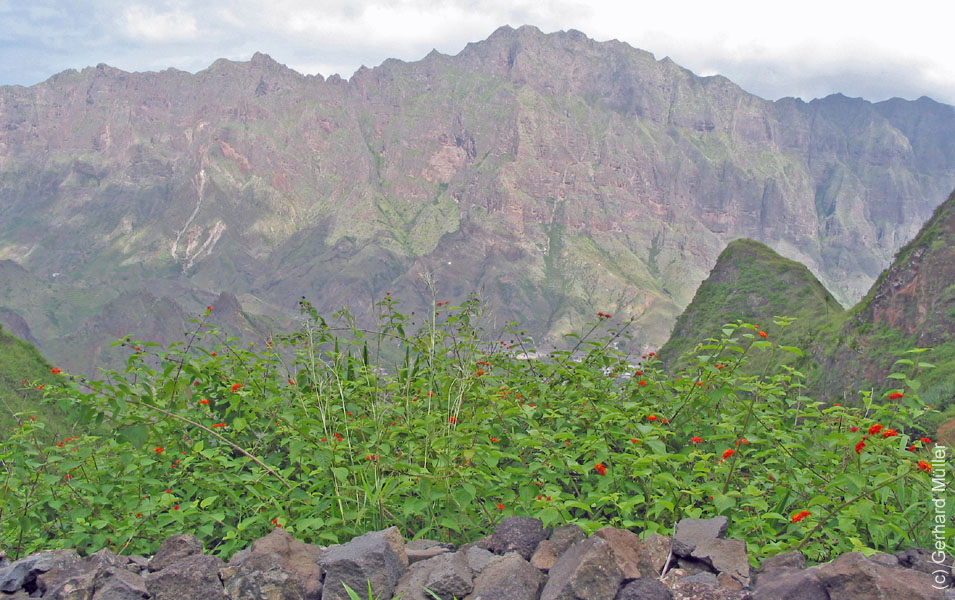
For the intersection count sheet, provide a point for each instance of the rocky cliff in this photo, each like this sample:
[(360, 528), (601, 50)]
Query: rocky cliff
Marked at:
[(554, 174)]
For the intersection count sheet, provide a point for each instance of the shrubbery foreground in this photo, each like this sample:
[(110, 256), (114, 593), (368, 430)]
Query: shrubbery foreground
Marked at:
[(321, 433)]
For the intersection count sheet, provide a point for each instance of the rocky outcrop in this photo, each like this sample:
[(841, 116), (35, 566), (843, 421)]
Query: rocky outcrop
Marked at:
[(612, 564)]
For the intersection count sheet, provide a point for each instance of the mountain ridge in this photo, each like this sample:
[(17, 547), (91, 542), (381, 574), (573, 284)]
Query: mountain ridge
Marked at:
[(560, 175)]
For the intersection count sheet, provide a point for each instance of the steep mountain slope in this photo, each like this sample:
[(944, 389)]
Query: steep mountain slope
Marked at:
[(22, 368), (554, 174), (751, 282)]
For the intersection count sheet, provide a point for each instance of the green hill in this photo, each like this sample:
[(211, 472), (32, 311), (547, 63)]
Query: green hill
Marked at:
[(753, 283), (22, 371), (911, 305)]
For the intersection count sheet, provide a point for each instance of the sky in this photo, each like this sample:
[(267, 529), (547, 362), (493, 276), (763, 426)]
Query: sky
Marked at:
[(807, 49)]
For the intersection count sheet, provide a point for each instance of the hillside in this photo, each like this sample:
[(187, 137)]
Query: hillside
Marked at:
[(555, 175), (753, 283), (22, 370), (911, 305)]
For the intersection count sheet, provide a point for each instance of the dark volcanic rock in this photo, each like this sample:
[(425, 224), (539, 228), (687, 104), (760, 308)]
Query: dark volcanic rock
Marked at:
[(854, 577), (507, 577), (276, 567), (725, 556), (173, 549), (196, 576), (560, 540), (517, 534), (644, 589), (378, 558), (447, 575), (690, 532), (22, 574), (587, 571), (629, 552)]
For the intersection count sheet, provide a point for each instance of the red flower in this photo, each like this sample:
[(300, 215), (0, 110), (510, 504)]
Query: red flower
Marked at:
[(720, 366), (495, 440), (160, 449), (500, 506), (890, 433), (800, 516), (168, 491), (699, 383), (859, 447), (641, 382), (204, 401), (696, 439), (926, 440), (176, 507), (275, 522), (634, 441), (452, 420), (925, 466), (208, 308), (600, 468), (728, 453), (479, 372), (214, 425), (912, 448), (236, 386), (896, 395), (874, 429), (55, 370), (763, 334), (213, 354), (68, 476), (853, 429), (637, 373), (652, 418), (41, 386), (742, 441)]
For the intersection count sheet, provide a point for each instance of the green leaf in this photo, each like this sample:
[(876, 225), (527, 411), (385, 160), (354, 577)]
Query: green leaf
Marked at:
[(206, 502)]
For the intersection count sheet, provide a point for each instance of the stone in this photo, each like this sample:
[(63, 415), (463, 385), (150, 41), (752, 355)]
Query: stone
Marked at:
[(507, 577), (549, 550), (725, 556), (419, 550), (644, 589), (938, 564), (195, 576), (658, 549), (788, 583), (275, 567), (854, 577), (80, 579), (22, 574), (587, 571), (629, 552), (478, 558), (174, 548), (4, 559), (120, 584), (792, 560), (378, 558), (447, 575), (690, 532), (137, 563), (517, 534)]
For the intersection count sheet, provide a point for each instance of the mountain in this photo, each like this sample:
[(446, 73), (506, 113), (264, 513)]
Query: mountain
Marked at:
[(753, 283), (22, 371), (555, 175), (911, 305)]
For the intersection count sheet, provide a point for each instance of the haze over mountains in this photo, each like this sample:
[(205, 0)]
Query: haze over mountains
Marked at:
[(555, 175)]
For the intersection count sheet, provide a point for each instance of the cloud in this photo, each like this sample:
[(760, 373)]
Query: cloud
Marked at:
[(139, 22)]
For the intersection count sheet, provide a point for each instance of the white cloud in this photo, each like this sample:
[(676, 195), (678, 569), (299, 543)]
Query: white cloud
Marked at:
[(144, 23)]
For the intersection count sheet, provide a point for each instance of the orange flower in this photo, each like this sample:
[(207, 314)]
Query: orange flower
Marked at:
[(696, 439), (652, 418), (925, 466), (160, 449), (600, 468), (208, 308), (742, 441), (214, 425), (800, 516), (728, 453), (55, 370), (500, 506), (479, 372), (641, 382), (495, 440), (926, 440), (452, 420), (860, 446), (634, 441), (874, 429), (763, 334), (236, 386), (896, 395), (890, 433)]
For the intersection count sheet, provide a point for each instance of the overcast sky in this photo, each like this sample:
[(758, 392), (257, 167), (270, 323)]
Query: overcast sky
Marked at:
[(809, 48)]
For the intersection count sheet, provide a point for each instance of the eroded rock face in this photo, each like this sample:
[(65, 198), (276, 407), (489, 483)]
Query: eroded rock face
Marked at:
[(690, 532), (517, 534), (587, 571), (23, 573), (173, 549), (507, 577), (195, 576)]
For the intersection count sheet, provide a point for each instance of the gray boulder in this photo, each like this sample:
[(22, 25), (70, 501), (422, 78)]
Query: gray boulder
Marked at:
[(690, 532), (644, 589), (275, 567), (195, 577), (446, 575), (418, 550), (725, 556), (507, 577), (587, 571), (629, 551), (173, 549), (517, 534), (22, 574), (549, 550), (377, 558), (852, 576)]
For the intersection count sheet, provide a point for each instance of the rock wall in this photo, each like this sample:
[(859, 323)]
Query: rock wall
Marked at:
[(521, 560)]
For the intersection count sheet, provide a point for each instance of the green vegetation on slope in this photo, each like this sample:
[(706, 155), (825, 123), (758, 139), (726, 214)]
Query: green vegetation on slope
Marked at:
[(23, 375)]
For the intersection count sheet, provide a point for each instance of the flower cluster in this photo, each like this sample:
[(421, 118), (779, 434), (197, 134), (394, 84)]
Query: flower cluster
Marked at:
[(800, 516)]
